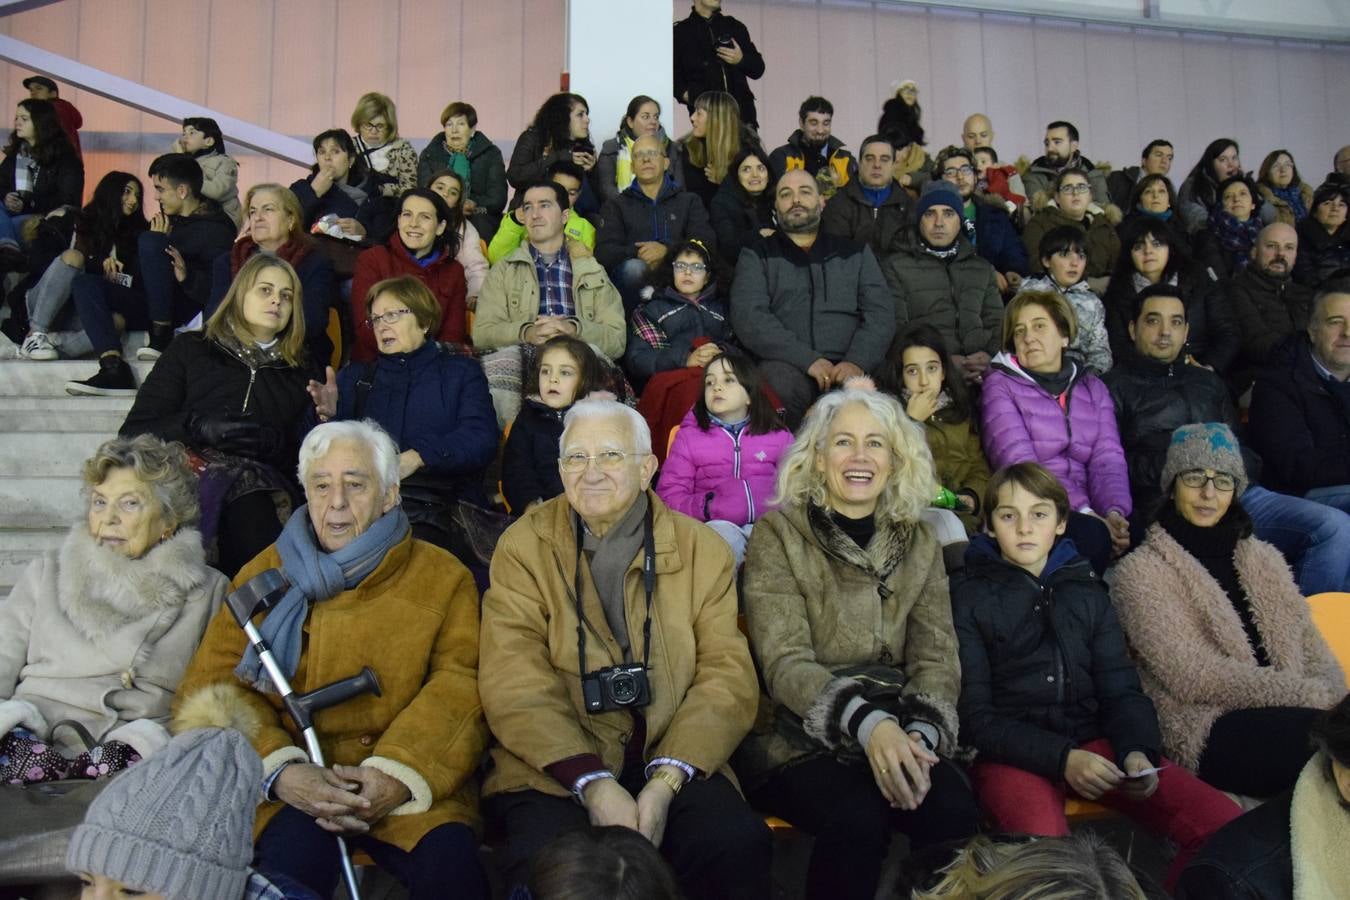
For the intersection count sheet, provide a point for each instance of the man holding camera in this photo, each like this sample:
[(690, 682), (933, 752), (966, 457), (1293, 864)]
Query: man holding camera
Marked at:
[(714, 52), (612, 671)]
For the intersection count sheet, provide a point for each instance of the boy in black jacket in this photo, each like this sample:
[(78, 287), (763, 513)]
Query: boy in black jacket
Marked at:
[(1049, 697)]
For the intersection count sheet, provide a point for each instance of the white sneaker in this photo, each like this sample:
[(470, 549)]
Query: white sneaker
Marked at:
[(147, 353), (37, 346)]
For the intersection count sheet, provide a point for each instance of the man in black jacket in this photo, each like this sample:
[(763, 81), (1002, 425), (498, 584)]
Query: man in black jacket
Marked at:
[(714, 52), (873, 208), (1300, 414), (1268, 304), (176, 255), (812, 307), (1156, 391)]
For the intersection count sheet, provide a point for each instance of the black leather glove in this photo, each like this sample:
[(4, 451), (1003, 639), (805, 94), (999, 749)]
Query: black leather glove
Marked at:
[(234, 434)]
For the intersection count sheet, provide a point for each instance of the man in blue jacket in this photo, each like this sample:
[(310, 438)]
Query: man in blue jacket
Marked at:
[(987, 225)]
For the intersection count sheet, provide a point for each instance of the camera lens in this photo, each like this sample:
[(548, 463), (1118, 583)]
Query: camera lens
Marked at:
[(623, 688)]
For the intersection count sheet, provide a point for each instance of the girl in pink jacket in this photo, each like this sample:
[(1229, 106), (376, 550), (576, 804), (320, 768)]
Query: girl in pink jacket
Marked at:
[(724, 460)]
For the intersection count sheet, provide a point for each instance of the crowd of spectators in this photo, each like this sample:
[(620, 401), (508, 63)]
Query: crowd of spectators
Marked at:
[(960, 431)]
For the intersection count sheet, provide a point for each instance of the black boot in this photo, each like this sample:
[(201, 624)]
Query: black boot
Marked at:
[(160, 335), (114, 379)]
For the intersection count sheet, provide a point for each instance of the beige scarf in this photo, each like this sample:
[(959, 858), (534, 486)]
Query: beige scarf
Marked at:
[(1319, 830)]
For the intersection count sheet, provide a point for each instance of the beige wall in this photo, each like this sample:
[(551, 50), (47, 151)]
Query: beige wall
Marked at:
[(297, 66)]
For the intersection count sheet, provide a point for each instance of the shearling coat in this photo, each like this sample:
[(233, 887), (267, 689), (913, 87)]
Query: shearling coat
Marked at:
[(816, 603), (702, 680), (1101, 241), (509, 301), (1193, 655), (414, 620), (89, 635)]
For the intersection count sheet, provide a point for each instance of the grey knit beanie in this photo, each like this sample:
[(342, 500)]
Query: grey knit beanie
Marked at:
[(1210, 445), (178, 824)]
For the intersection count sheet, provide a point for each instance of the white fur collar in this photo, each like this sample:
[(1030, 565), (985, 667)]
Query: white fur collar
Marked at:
[(100, 590), (1319, 830)]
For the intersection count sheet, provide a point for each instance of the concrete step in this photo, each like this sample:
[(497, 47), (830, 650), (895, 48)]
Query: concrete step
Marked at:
[(41, 502), (98, 415), (47, 453), (18, 546), (30, 378)]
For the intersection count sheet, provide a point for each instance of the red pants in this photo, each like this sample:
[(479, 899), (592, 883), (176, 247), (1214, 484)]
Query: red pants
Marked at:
[(1183, 808)]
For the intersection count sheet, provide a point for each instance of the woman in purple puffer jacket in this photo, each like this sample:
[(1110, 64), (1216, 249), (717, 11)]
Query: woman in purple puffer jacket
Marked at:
[(724, 460), (1040, 407)]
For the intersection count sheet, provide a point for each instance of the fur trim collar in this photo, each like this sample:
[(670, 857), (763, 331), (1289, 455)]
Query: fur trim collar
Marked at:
[(1319, 832), (882, 555), (100, 590)]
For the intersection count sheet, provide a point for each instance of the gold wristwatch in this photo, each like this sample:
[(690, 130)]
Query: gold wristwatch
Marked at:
[(672, 781)]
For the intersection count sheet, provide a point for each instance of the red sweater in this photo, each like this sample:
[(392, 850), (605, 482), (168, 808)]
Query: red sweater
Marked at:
[(445, 278)]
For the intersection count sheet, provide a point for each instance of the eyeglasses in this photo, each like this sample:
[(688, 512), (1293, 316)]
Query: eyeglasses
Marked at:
[(689, 268), (375, 126), (389, 318), (953, 171), (1223, 482), (644, 155), (605, 461), (1075, 188)]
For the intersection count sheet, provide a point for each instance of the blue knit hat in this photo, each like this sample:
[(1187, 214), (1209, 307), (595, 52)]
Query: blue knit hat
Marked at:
[(940, 193), (1210, 445)]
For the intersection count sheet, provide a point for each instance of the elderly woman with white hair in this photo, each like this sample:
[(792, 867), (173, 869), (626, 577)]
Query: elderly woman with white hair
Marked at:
[(613, 676), (850, 620), (95, 636), (363, 591)]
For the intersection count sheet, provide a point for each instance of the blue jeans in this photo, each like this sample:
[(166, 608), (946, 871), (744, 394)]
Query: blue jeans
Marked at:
[(1315, 538), (160, 287), (96, 299), (1337, 496), (11, 224), (294, 846)]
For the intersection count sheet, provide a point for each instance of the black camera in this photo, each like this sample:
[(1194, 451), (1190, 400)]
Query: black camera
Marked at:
[(615, 688), (583, 145), (724, 40)]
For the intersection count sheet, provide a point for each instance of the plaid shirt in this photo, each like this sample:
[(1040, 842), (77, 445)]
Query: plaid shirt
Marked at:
[(555, 284)]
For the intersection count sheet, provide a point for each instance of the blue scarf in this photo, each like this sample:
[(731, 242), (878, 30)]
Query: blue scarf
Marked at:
[(1165, 215), (877, 196), (315, 576), (1294, 197), (1236, 237)]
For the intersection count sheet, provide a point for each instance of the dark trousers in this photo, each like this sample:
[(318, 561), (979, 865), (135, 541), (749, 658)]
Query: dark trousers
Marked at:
[(1092, 538), (164, 298), (795, 389), (717, 845), (1258, 752), (97, 299), (851, 821), (248, 526), (444, 863)]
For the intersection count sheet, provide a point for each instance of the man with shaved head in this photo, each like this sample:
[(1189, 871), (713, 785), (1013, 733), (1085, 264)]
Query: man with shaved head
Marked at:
[(977, 131), (1268, 305)]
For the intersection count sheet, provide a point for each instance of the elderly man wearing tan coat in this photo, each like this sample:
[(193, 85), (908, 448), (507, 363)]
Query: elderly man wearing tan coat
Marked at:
[(612, 671), (402, 783)]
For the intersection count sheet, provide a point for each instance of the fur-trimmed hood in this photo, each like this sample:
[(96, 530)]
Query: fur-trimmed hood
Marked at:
[(1319, 833), (1044, 200), (1193, 654), (101, 590)]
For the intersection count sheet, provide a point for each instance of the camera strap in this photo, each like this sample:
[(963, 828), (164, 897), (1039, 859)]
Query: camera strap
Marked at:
[(648, 585)]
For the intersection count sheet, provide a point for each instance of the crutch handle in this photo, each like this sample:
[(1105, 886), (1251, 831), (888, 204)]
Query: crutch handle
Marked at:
[(302, 707), (258, 593)]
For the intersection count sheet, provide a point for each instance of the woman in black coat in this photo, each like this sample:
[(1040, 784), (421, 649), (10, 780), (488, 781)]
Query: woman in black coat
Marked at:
[(235, 396), (1150, 254), (40, 172), (743, 205)]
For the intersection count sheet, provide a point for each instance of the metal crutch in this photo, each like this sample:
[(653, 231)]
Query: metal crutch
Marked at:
[(260, 593)]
